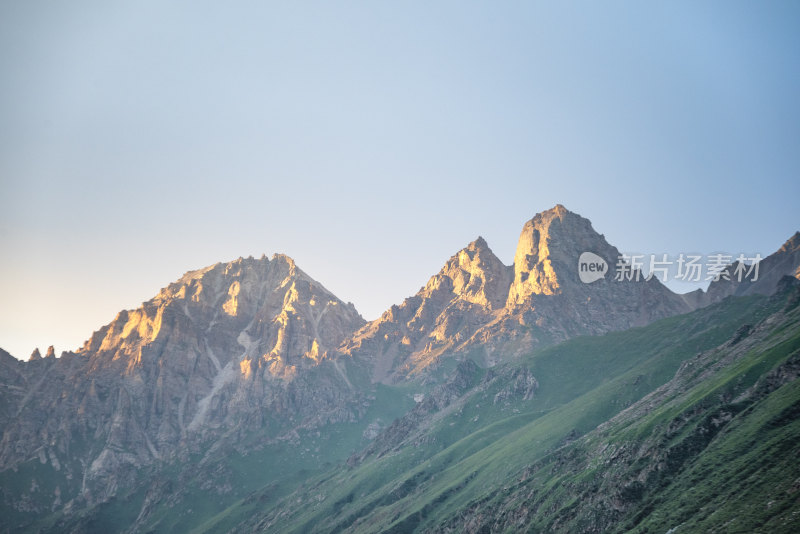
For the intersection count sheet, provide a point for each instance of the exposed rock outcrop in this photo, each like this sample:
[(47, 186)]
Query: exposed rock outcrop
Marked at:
[(741, 280), (224, 347), (445, 313), (475, 303)]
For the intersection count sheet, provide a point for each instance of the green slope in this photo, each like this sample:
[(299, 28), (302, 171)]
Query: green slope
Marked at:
[(468, 460), (713, 450)]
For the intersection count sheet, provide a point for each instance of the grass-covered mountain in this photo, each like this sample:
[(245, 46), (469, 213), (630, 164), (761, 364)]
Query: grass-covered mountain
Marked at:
[(690, 423)]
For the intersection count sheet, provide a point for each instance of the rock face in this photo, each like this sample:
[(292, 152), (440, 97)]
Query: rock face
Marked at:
[(221, 348), (475, 303), (443, 315), (547, 291), (784, 262)]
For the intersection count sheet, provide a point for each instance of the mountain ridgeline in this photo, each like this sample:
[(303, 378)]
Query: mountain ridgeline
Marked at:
[(477, 305), (246, 397)]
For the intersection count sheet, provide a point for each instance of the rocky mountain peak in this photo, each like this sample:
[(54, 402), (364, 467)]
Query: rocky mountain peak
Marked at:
[(763, 281), (238, 307), (470, 287), (35, 355), (474, 275), (476, 301), (220, 346), (548, 250)]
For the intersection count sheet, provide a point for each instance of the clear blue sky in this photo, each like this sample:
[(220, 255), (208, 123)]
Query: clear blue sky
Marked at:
[(372, 140)]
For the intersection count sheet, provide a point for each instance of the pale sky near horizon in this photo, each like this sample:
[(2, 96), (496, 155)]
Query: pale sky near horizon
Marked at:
[(371, 141)]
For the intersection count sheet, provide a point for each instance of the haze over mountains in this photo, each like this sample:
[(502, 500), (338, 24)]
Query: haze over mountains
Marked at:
[(253, 356)]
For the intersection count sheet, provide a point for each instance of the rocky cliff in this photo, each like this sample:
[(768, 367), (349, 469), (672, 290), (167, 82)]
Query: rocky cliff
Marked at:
[(224, 347), (445, 314), (742, 280), (476, 304)]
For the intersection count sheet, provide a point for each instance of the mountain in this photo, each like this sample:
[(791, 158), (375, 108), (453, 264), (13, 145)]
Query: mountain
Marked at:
[(476, 305), (445, 314), (246, 383), (763, 281), (222, 349), (689, 424)]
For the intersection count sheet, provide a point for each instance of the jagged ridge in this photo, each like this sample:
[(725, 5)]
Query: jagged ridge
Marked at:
[(214, 351), (476, 303)]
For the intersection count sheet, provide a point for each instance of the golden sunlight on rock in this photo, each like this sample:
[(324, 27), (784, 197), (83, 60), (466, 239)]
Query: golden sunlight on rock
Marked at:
[(231, 305), (533, 269), (134, 318), (314, 353), (147, 329), (245, 366), (197, 292)]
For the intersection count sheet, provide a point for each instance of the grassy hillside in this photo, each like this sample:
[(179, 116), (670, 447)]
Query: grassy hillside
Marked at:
[(484, 463)]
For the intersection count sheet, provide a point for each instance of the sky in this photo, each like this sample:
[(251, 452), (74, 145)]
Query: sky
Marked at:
[(370, 141)]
